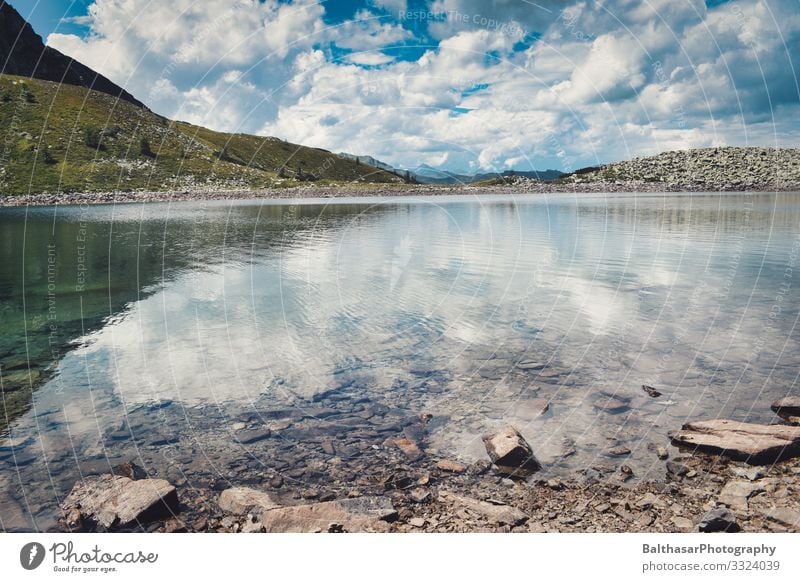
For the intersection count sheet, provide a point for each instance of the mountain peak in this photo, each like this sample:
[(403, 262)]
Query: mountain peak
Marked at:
[(23, 53)]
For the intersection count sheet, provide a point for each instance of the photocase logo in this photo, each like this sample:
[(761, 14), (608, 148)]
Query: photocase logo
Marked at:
[(31, 555)]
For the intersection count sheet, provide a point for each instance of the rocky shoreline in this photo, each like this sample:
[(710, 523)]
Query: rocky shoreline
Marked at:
[(404, 487), (518, 186)]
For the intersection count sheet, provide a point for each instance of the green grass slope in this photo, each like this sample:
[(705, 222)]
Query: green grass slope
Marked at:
[(65, 138)]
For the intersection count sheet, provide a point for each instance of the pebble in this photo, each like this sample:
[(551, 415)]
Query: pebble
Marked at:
[(420, 495), (677, 469)]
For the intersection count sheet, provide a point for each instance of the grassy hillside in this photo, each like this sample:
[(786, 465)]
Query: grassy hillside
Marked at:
[(65, 138)]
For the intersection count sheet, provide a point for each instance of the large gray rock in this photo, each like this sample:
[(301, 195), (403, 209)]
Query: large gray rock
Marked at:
[(718, 520), (115, 501), (495, 513), (241, 500), (359, 514), (786, 407), (756, 444), (510, 452)]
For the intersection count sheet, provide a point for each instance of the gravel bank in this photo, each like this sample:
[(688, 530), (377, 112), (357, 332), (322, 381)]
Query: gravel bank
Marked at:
[(521, 186)]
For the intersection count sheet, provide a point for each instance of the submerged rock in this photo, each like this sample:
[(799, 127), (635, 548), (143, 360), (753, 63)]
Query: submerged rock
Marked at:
[(611, 402), (409, 448), (250, 436), (116, 501), (18, 380), (510, 452), (531, 365), (756, 444), (650, 391)]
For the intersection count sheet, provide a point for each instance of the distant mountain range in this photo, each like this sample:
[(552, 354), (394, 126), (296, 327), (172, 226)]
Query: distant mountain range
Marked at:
[(425, 174), (68, 128), (368, 160)]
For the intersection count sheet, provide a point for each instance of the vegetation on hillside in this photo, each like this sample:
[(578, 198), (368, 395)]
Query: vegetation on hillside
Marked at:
[(65, 138)]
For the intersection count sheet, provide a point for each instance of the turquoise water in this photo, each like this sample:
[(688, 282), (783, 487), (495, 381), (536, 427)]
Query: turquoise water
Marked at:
[(148, 331)]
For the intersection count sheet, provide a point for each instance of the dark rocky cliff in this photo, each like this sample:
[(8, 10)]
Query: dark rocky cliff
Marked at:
[(23, 53)]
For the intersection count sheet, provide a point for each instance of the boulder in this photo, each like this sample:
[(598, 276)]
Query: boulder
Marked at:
[(359, 514), (756, 444), (116, 501), (495, 513), (510, 452), (241, 500), (786, 407)]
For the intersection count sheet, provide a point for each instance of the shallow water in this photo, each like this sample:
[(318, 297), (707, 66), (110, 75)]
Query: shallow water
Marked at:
[(156, 332)]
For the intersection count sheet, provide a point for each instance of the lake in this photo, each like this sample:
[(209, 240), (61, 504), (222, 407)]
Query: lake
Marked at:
[(212, 341)]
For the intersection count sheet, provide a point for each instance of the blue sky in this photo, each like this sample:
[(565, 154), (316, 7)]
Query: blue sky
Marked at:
[(457, 84)]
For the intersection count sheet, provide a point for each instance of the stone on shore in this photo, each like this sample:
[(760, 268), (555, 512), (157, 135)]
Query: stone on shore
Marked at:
[(510, 452), (495, 513), (450, 466), (784, 516), (116, 501), (787, 406), (358, 514), (677, 469), (756, 444), (241, 500), (736, 493), (719, 519)]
